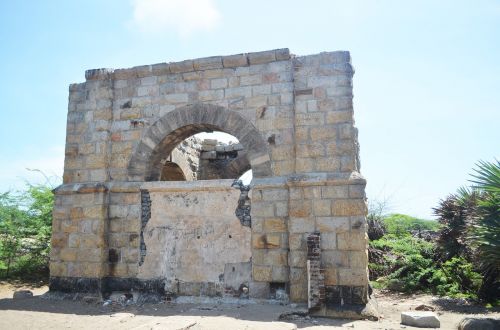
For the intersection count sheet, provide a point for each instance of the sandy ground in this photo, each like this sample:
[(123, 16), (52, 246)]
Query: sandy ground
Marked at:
[(38, 313)]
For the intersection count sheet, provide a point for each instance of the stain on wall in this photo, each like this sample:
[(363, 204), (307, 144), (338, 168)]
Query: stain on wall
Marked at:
[(192, 236)]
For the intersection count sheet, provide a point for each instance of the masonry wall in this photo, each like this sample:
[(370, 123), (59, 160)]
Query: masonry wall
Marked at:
[(294, 118)]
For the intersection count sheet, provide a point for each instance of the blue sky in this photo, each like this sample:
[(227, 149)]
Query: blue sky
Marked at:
[(427, 82)]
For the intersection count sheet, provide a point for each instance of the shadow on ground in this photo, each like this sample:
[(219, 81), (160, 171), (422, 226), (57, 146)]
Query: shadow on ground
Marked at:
[(246, 312)]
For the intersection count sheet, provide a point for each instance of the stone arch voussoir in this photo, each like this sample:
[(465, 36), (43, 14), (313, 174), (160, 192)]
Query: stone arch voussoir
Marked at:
[(163, 135)]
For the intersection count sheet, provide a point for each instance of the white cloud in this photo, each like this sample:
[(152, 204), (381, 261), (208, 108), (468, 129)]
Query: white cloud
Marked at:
[(183, 16)]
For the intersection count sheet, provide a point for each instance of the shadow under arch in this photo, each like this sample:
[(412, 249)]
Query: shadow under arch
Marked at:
[(168, 131)]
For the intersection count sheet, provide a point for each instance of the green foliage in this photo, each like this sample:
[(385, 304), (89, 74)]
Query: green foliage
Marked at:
[(485, 233), (463, 262), (25, 229), (456, 278), (401, 224)]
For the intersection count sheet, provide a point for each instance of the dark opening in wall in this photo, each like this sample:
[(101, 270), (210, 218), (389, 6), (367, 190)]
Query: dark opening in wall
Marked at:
[(278, 290)]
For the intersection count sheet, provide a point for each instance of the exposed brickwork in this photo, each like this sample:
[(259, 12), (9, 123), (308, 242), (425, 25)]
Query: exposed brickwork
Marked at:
[(145, 216), (315, 276)]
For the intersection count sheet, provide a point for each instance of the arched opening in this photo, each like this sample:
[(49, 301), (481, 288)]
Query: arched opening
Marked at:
[(205, 156), (172, 172), (146, 164)]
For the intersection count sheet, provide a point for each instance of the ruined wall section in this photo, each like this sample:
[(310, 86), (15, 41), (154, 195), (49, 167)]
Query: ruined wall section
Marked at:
[(187, 156), (88, 141), (118, 106), (326, 139)]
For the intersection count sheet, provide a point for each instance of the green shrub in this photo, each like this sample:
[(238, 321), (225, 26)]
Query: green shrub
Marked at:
[(456, 278), (25, 230)]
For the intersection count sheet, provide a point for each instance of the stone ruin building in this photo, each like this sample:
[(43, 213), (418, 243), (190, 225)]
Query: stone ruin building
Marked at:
[(147, 207)]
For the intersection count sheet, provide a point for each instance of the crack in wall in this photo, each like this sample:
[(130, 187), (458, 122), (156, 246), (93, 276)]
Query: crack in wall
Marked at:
[(145, 216), (244, 206)]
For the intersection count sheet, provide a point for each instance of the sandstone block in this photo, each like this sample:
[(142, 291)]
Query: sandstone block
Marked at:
[(321, 207), (334, 192), (328, 240), (353, 276), (301, 225), (272, 225), (214, 62), (330, 276), (347, 207), (420, 319), (262, 273), (233, 61), (297, 258), (68, 254), (333, 224), (300, 208), (266, 241), (261, 57), (334, 259), (280, 273), (352, 241)]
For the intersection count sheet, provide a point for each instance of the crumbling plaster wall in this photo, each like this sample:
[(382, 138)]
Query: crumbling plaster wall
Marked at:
[(192, 235), (294, 118)]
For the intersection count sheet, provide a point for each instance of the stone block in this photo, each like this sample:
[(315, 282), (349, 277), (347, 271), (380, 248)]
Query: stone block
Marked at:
[(328, 241), (297, 242), (310, 150), (333, 224), (262, 273), (349, 207), (297, 258), (274, 194), (183, 66), (58, 268), (301, 225), (91, 269), (280, 273), (261, 57), (352, 241), (334, 259), (335, 192), (214, 62), (90, 255), (352, 276), (300, 208), (273, 225), (298, 292), (233, 61), (420, 319), (266, 241), (68, 254), (259, 290), (321, 207), (358, 259), (330, 276)]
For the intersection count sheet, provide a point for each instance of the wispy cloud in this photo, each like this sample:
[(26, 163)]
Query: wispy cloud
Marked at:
[(185, 17)]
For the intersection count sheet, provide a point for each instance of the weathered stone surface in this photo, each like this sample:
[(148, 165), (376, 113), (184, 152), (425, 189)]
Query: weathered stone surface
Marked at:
[(22, 294), (420, 319), (116, 221), (470, 323)]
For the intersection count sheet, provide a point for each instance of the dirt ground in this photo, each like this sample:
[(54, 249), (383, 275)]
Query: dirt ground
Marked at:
[(38, 313)]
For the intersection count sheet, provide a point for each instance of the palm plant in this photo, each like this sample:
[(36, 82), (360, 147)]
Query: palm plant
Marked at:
[(485, 235)]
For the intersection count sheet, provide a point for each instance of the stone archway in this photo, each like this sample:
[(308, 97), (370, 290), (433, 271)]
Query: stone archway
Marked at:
[(177, 125)]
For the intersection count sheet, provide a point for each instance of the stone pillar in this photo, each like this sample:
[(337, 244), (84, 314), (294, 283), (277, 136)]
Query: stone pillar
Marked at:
[(269, 198), (78, 259)]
